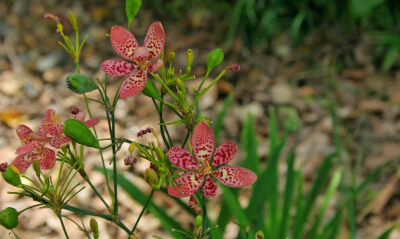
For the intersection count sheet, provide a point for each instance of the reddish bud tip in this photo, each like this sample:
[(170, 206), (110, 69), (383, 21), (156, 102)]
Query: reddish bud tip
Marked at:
[(51, 17), (130, 160), (148, 130), (235, 68), (3, 167), (74, 110)]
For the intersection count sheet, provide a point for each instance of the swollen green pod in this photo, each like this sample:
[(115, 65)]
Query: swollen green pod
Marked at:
[(11, 176), (80, 133), (9, 218), (79, 83)]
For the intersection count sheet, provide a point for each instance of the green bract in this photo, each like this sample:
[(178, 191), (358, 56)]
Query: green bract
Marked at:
[(151, 91), (9, 218), (214, 58), (11, 176), (79, 83), (80, 133)]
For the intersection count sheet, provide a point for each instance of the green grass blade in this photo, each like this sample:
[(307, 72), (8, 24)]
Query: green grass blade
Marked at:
[(334, 184), (167, 222), (370, 178), (249, 145), (288, 195), (386, 234), (221, 116), (319, 181), (300, 203), (332, 228)]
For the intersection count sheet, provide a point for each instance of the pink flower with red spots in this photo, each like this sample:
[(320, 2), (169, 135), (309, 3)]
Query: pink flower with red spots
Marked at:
[(51, 132), (200, 169), (145, 58)]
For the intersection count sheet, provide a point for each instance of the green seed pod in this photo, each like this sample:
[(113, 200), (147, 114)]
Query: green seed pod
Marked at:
[(151, 177), (199, 221), (9, 218), (214, 58), (11, 176), (79, 83), (132, 147), (36, 167), (80, 133), (72, 20), (259, 235), (151, 90), (189, 57), (94, 227), (171, 58)]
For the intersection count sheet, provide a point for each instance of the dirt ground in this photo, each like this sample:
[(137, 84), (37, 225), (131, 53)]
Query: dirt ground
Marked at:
[(305, 77)]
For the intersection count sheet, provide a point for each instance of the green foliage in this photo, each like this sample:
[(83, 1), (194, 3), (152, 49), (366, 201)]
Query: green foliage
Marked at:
[(80, 133), (151, 90), (214, 58), (132, 7)]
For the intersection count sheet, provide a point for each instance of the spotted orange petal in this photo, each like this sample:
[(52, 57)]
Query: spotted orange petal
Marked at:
[(59, 141), (123, 42), (203, 141), (224, 153), (186, 184), (181, 158), (116, 67), (51, 124), (22, 162), (234, 176), (133, 84), (209, 187), (29, 147), (24, 133), (155, 66), (155, 40), (47, 159)]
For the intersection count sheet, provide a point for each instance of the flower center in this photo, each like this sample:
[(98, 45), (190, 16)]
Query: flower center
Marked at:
[(206, 167)]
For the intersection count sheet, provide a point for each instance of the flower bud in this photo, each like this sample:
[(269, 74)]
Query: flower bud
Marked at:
[(235, 68), (3, 167), (51, 17), (11, 175), (9, 218), (189, 57), (133, 237), (36, 167), (151, 177), (199, 221), (94, 227), (171, 58), (60, 28), (259, 235), (72, 20), (132, 147)]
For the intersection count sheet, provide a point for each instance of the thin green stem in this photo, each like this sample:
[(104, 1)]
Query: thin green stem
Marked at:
[(63, 226), (91, 213), (186, 139), (142, 212), (205, 217), (97, 192)]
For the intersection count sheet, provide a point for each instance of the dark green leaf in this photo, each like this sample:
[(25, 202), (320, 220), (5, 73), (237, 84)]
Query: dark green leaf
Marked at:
[(11, 176)]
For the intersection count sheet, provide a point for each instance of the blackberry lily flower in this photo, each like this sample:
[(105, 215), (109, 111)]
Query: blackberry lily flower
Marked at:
[(32, 149), (201, 171), (50, 131), (145, 58)]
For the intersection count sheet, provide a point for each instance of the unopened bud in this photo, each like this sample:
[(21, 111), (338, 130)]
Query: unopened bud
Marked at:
[(130, 160), (235, 68), (133, 237), (148, 130), (171, 58), (72, 20), (3, 167), (199, 221), (51, 17), (74, 110), (11, 176), (94, 227), (132, 147), (259, 235), (36, 167), (189, 57), (60, 28), (151, 177)]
